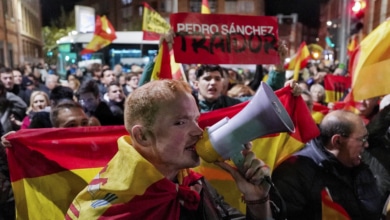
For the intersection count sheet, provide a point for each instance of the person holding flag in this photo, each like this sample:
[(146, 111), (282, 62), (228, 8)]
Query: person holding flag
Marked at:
[(332, 161), (150, 177)]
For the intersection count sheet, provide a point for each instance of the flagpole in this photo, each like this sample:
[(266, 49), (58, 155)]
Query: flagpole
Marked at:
[(343, 32)]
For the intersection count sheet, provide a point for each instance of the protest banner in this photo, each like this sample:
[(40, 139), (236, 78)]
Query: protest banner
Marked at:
[(224, 39)]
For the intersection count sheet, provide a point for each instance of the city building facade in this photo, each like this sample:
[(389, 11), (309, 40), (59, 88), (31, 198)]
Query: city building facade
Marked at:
[(20, 37)]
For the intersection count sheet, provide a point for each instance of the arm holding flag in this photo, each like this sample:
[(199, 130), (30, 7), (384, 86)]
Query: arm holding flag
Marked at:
[(276, 78)]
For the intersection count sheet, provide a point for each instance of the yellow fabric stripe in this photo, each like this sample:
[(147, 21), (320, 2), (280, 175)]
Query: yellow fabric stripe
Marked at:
[(272, 150), (38, 199), (333, 96), (157, 64), (135, 180), (97, 43), (317, 116)]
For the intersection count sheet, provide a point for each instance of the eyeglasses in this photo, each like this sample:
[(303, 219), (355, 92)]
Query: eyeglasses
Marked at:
[(363, 139)]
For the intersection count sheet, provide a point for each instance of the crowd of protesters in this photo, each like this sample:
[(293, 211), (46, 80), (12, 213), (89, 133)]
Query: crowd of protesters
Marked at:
[(38, 97)]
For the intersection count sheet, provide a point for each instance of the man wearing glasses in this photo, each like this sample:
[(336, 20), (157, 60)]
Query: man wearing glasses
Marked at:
[(333, 162)]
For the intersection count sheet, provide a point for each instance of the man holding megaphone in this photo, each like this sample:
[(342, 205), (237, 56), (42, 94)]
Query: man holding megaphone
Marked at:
[(150, 176)]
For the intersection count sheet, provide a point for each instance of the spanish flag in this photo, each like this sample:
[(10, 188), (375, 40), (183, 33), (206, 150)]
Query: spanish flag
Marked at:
[(299, 60), (272, 149), (176, 68), (319, 111), (330, 209), (49, 167), (138, 192), (104, 34), (162, 68), (336, 87), (205, 7), (153, 24), (371, 64)]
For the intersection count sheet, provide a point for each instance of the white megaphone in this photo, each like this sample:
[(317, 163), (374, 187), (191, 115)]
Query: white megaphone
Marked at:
[(263, 115)]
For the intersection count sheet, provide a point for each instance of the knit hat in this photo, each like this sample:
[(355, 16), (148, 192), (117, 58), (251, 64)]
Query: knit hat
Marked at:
[(27, 82)]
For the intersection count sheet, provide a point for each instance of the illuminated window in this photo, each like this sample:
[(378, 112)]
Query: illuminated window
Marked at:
[(231, 6), (245, 6), (126, 2), (196, 5)]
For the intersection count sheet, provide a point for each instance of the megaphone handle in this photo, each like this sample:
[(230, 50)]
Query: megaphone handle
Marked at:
[(238, 160)]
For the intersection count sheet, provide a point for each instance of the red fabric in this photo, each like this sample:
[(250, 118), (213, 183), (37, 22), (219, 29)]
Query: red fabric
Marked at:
[(160, 201), (305, 127), (45, 147)]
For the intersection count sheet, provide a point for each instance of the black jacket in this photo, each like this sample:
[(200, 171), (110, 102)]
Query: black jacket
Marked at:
[(104, 114), (301, 178)]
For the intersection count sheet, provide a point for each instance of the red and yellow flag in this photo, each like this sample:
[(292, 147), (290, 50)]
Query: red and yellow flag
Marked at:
[(205, 9), (330, 209), (139, 192), (153, 24), (319, 111), (370, 64), (176, 68), (162, 68), (272, 149), (49, 167), (299, 60), (104, 34), (336, 87), (165, 66)]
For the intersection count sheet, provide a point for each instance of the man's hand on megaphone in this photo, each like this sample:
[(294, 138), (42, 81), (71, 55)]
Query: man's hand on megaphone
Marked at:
[(251, 181)]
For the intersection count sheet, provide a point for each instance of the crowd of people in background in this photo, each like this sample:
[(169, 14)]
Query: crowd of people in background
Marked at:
[(32, 96)]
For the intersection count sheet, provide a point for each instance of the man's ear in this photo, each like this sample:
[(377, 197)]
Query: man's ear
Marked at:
[(141, 135), (336, 140)]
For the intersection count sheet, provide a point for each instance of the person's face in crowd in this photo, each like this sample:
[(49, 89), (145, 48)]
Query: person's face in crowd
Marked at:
[(72, 84), (133, 82), (317, 94), (232, 75), (89, 101), (115, 93), (118, 69), (192, 75), (72, 117), (175, 133), (108, 77), (97, 73), (8, 80), (17, 77), (51, 82), (210, 86), (122, 80), (39, 103), (352, 147), (366, 106)]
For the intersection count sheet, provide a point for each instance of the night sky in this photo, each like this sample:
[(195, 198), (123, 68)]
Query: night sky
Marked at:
[(52, 9), (308, 10)]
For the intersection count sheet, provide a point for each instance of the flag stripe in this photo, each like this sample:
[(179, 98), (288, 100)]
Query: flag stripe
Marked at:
[(205, 9), (79, 153), (370, 64), (330, 209)]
